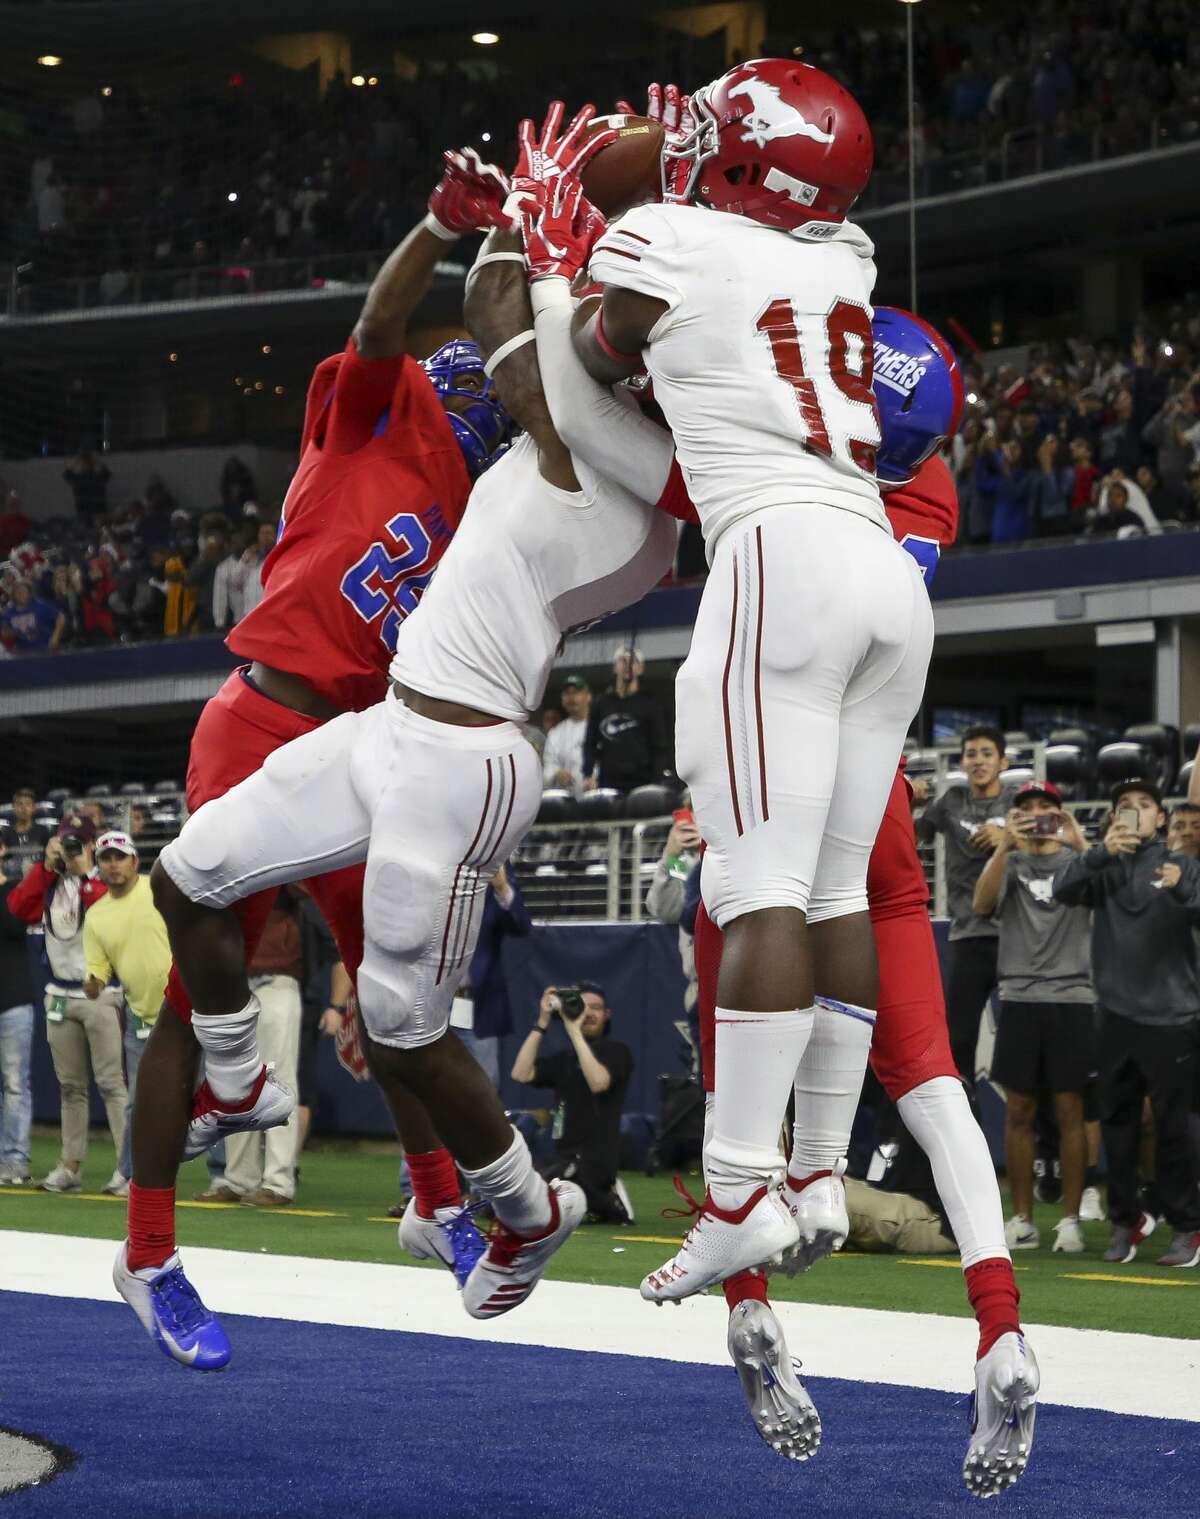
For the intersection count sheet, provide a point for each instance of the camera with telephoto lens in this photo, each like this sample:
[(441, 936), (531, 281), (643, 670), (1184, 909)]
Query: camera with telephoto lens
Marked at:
[(72, 848), (570, 1002)]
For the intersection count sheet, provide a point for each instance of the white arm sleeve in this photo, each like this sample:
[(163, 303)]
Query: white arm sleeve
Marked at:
[(615, 439)]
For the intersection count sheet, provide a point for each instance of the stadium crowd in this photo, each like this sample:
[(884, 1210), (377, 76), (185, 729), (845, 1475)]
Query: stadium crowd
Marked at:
[(224, 178), (1083, 438)]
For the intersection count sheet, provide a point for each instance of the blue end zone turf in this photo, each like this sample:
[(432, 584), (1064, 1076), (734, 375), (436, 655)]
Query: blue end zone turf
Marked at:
[(313, 1420)]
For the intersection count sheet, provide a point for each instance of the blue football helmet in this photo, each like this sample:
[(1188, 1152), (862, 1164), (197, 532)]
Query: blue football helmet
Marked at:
[(484, 429), (919, 392)]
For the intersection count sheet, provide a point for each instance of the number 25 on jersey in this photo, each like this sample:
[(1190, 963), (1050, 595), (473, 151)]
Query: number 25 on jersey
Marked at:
[(389, 578), (828, 363)]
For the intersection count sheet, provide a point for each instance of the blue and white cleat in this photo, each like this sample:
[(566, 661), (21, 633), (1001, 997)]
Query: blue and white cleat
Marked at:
[(783, 1413), (450, 1236), (171, 1313), (1003, 1410)]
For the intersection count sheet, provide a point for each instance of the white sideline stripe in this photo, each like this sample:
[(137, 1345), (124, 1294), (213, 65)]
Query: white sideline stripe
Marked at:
[(1119, 1373)]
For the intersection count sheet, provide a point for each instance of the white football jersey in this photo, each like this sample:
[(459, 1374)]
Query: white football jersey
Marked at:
[(528, 564), (762, 363)]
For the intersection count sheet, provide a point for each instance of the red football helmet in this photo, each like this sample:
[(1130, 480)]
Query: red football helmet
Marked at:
[(777, 141)]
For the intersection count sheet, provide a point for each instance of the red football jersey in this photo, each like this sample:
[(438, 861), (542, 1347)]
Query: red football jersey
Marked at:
[(926, 511), (381, 486)]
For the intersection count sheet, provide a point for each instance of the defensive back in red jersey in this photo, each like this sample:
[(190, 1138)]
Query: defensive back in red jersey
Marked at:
[(380, 489)]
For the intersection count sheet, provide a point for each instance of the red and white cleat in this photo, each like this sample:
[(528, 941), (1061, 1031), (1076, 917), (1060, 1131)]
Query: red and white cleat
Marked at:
[(513, 1264), (720, 1244), (818, 1204), (268, 1105)]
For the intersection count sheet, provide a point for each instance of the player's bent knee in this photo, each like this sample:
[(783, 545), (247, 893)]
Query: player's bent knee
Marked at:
[(399, 1010), (826, 905)]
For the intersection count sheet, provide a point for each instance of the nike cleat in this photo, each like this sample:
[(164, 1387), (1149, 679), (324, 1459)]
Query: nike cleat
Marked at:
[(171, 1312), (818, 1204), (450, 1236), (783, 1413), (1003, 1410), (269, 1104), (513, 1264), (1125, 1239), (720, 1244)]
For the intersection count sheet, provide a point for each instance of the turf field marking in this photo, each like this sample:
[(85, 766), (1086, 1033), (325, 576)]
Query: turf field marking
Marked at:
[(650, 1239), (953, 1264), (852, 1344), (1141, 1281), (104, 1197)]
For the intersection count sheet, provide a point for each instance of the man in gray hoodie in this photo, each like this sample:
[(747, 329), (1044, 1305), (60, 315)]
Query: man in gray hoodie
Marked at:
[(1145, 901)]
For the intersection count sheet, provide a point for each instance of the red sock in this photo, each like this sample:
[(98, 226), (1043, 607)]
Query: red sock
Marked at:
[(151, 1225), (992, 1289), (746, 1284), (434, 1181)]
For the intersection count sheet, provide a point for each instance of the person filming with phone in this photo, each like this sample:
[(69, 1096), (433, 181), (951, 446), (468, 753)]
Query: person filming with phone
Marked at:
[(1145, 901), (1045, 1040), (589, 1079)]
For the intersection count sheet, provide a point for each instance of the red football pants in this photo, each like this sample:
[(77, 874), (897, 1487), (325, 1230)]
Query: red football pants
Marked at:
[(911, 1043), (238, 729)]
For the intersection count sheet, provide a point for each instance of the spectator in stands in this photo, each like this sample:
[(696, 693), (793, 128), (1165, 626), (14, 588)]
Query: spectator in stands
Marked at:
[(96, 813), (88, 479), (1000, 480), (202, 572), (562, 756), (1169, 503), (66, 586), (237, 487), (1049, 491), (1122, 508), (125, 940), (1145, 902), (971, 819), (57, 893), (1183, 830), (627, 742), (179, 599), (99, 625), (1045, 1039), (265, 533), (137, 822), (1121, 441), (15, 525), (589, 1079), (482, 1014), (16, 1038), (1084, 475), (1168, 433), (673, 897), (229, 581), (29, 624), (260, 1167), (29, 837)]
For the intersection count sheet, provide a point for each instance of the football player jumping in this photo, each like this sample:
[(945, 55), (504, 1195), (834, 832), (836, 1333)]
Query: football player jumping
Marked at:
[(748, 292), (388, 453)]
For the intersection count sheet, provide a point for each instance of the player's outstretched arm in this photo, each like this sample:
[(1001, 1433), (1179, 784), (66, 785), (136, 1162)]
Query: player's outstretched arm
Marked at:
[(610, 343), (497, 310), (469, 197)]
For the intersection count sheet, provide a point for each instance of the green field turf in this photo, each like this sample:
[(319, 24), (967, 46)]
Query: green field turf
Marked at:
[(346, 1188)]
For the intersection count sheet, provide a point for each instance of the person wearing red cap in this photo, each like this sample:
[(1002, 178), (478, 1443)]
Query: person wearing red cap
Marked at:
[(1046, 1036)]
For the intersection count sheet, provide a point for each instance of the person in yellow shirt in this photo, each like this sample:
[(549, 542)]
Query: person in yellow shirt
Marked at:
[(125, 939)]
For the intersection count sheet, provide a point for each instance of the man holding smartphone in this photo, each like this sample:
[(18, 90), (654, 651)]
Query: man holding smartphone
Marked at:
[(589, 1079), (1145, 902), (1045, 1038)]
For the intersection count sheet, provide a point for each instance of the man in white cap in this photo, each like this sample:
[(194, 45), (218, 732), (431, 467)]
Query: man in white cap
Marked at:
[(125, 939)]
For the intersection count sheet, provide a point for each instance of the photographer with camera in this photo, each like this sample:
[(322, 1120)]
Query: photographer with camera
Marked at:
[(1045, 1038), (589, 1081), (57, 893), (1145, 902)]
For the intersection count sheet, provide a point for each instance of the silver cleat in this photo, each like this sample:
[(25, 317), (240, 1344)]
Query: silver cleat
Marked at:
[(1004, 1408), (783, 1413)]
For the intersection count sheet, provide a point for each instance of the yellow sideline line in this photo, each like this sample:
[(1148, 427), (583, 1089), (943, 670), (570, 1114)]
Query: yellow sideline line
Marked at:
[(1141, 1281), (105, 1197), (953, 1264)]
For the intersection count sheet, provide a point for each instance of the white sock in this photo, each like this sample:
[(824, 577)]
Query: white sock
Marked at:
[(230, 1045), (756, 1059), (829, 1082), (938, 1116), (710, 1113), (518, 1195)]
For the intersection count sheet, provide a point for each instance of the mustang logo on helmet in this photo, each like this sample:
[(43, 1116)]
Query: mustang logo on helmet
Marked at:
[(770, 118)]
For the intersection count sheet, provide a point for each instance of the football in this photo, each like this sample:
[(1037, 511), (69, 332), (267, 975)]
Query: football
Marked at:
[(626, 173)]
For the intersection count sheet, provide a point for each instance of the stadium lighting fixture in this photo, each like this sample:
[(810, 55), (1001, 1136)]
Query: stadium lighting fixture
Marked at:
[(372, 79), (106, 91), (485, 39), (174, 358), (279, 390), (485, 137), (358, 80), (49, 60), (232, 196), (971, 398), (1168, 351)]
